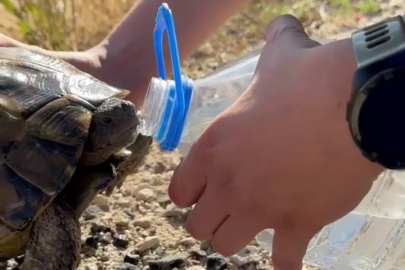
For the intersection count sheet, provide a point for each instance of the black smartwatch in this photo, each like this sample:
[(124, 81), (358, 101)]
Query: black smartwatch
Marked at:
[(376, 110)]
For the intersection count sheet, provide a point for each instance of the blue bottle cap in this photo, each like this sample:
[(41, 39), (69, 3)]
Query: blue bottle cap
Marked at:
[(181, 89)]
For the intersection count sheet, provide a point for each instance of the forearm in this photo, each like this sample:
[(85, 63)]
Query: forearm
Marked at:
[(127, 55)]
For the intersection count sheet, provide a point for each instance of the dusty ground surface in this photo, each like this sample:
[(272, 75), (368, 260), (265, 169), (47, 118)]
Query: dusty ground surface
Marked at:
[(138, 227)]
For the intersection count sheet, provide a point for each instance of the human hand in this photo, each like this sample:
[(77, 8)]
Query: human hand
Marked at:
[(280, 157)]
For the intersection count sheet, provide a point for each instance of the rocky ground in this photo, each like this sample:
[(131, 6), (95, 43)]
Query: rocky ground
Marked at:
[(138, 227)]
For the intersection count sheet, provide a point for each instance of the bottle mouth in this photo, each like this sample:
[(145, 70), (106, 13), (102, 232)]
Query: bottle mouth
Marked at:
[(163, 118), (154, 106)]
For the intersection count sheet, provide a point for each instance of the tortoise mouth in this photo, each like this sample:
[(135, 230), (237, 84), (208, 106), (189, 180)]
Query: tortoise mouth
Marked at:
[(127, 137)]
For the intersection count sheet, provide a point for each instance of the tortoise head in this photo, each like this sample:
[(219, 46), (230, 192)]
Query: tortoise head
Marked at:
[(113, 126)]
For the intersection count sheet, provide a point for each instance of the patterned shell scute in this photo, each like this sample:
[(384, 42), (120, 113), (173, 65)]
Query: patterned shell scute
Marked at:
[(87, 88), (37, 165), (71, 79), (29, 88), (19, 200)]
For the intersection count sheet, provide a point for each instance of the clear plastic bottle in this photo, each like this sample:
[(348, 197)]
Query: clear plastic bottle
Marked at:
[(369, 237), (175, 113)]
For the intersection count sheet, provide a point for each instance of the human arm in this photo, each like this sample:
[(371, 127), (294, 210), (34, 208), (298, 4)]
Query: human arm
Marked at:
[(125, 58), (280, 157)]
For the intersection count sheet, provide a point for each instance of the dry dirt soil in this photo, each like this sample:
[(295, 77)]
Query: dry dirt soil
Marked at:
[(138, 227)]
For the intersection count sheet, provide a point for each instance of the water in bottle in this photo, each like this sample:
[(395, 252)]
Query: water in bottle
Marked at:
[(175, 112)]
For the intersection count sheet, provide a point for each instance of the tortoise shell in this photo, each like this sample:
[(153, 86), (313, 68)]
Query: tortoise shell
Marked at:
[(46, 106)]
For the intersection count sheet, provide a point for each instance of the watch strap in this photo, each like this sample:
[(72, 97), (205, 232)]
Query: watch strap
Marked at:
[(376, 42)]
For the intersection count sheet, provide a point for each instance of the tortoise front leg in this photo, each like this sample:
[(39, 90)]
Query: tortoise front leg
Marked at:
[(55, 240)]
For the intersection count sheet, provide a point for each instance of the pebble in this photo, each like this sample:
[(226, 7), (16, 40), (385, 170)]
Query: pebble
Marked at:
[(189, 241), (102, 202), (97, 226), (168, 262), (216, 261), (140, 187), (146, 195), (148, 243), (106, 238), (196, 267), (122, 222), (246, 256), (91, 212), (173, 211), (123, 202), (197, 253), (121, 241), (144, 222), (132, 258), (147, 258), (163, 198), (127, 266)]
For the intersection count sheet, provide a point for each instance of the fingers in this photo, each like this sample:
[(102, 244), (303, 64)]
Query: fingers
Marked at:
[(289, 247), (189, 179), (234, 234), (208, 214), (289, 30)]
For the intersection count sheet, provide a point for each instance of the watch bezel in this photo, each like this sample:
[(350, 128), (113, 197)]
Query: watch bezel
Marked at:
[(353, 113), (377, 50)]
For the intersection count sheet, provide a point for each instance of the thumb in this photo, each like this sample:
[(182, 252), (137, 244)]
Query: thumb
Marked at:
[(288, 31), (289, 248)]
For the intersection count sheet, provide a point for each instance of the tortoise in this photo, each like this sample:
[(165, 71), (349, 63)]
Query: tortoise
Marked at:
[(65, 137)]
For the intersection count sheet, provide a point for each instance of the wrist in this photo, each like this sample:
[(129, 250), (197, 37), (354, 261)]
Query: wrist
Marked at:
[(341, 57)]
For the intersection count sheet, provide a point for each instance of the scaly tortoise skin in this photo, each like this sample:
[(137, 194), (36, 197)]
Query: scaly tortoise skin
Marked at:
[(65, 137)]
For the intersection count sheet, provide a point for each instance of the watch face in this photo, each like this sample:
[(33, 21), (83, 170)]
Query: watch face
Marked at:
[(381, 122)]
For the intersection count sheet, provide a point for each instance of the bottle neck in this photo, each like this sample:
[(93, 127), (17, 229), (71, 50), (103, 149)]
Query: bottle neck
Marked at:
[(154, 106), (165, 112)]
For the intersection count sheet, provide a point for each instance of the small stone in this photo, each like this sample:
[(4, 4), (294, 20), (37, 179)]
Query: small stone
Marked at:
[(189, 241), (102, 202), (196, 267), (168, 262), (146, 195), (147, 258), (246, 256), (197, 253), (104, 257), (123, 202), (91, 242), (132, 258), (122, 222), (129, 213), (173, 211), (139, 188), (144, 222), (148, 243), (127, 266), (97, 226), (91, 212), (160, 167), (121, 241), (106, 238), (232, 266), (216, 261), (205, 245), (163, 198)]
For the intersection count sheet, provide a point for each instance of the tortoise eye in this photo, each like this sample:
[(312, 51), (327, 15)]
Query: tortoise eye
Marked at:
[(107, 120)]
